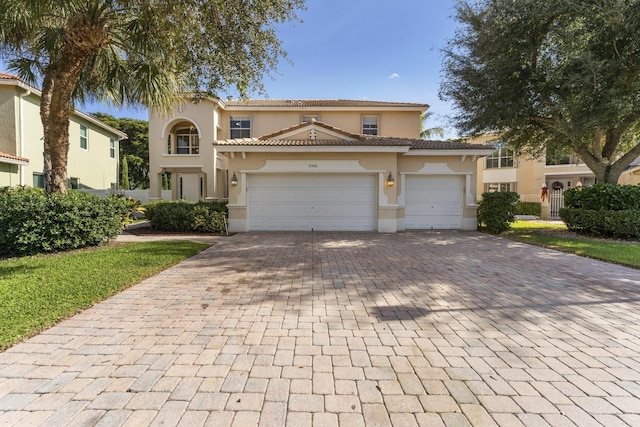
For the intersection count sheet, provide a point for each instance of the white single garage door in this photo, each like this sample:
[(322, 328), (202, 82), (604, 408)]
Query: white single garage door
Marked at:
[(433, 202), (311, 202)]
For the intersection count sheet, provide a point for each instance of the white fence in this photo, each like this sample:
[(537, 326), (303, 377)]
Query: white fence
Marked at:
[(556, 202), (530, 198), (141, 195)]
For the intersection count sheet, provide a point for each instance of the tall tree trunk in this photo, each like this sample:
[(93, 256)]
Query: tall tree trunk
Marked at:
[(45, 108), (83, 40)]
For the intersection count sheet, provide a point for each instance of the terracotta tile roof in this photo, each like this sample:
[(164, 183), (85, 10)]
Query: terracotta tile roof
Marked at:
[(12, 157), (8, 76), (300, 103), (349, 140), (421, 144), (310, 124), (259, 142)]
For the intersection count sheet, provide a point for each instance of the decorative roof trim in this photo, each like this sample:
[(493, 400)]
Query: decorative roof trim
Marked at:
[(13, 160)]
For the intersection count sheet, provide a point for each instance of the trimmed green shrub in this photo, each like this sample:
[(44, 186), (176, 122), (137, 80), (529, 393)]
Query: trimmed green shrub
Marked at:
[(183, 216), (32, 222), (496, 211), (620, 224), (603, 197), (608, 210), (529, 208)]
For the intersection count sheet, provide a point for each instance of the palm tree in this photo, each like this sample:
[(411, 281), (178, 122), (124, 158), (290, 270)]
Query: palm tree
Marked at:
[(134, 51), (429, 133)]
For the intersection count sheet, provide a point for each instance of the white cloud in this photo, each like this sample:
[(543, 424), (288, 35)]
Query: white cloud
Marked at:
[(394, 76)]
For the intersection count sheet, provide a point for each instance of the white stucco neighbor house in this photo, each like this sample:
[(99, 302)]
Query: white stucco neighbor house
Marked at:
[(321, 165), (93, 151)]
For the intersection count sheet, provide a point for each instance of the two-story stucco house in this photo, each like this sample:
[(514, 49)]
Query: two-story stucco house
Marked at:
[(93, 150), (315, 165), (502, 170)]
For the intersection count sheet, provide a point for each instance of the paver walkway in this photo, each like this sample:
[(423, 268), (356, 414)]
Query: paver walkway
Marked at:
[(326, 329)]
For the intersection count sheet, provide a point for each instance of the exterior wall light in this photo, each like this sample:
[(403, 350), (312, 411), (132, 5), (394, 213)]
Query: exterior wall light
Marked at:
[(390, 181), (234, 180)]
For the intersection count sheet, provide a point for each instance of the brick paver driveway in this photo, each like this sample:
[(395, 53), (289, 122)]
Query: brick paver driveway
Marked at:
[(324, 329)]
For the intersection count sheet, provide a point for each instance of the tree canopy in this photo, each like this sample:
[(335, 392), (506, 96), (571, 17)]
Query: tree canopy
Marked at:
[(135, 51), (550, 76), (134, 149)]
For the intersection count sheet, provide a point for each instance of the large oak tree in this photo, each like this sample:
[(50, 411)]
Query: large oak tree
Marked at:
[(135, 51), (550, 75)]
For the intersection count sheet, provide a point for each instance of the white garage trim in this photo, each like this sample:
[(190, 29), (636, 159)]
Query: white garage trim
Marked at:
[(433, 202), (311, 202)]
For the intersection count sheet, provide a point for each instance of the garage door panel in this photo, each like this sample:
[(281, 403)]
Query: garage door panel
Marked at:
[(433, 202), (312, 202)]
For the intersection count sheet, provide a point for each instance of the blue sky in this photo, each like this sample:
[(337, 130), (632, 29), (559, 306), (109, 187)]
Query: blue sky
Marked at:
[(376, 50)]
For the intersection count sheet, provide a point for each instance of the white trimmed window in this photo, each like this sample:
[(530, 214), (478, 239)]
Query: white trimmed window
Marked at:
[(84, 137), (370, 125), (502, 157), (240, 127), (112, 148), (492, 187), (187, 141)]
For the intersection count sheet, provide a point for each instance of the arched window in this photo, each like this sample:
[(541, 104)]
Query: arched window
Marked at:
[(187, 140)]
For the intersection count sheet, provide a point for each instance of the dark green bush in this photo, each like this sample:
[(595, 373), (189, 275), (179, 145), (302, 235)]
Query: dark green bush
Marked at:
[(623, 224), (603, 197), (608, 210), (32, 222), (183, 216), (496, 211), (528, 208)]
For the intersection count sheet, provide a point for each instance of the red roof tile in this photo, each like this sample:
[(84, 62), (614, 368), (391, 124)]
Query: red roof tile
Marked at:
[(301, 103), (12, 157)]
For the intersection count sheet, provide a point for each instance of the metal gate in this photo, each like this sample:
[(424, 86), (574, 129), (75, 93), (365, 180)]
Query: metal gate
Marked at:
[(556, 202)]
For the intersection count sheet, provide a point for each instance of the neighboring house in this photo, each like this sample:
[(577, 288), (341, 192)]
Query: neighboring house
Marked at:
[(315, 165), (503, 171), (93, 148)]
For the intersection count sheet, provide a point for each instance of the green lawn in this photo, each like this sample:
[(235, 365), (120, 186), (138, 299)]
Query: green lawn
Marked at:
[(36, 292), (620, 253)]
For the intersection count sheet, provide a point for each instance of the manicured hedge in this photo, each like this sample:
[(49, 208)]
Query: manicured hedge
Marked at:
[(183, 216), (529, 208), (32, 222), (604, 210), (496, 211)]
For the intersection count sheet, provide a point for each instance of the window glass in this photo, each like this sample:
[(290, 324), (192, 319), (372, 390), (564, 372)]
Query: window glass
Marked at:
[(502, 157), (187, 141), (84, 139), (369, 125), (112, 148), (240, 127), (38, 180)]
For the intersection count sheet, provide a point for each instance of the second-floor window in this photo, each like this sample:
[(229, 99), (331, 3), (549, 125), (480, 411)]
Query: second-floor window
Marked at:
[(370, 125), (559, 158), (112, 148), (502, 157), (240, 127), (187, 141), (84, 137)]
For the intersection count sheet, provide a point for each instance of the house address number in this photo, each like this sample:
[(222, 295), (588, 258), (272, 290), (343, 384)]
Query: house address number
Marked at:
[(313, 165)]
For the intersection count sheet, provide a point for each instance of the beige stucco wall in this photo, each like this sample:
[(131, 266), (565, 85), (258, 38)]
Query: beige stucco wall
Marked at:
[(390, 199), (189, 166), (212, 123), (402, 124)]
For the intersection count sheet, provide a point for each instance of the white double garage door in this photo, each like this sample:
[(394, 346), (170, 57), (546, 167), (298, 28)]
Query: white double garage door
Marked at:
[(347, 202)]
